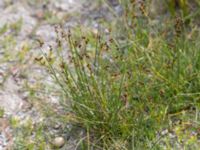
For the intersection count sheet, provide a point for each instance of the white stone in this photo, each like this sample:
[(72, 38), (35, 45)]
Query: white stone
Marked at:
[(59, 142)]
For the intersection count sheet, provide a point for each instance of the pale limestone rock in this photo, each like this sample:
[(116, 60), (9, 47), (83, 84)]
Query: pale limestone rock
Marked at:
[(59, 142)]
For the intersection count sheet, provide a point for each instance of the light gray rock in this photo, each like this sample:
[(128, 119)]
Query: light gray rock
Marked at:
[(9, 99), (59, 142), (68, 5), (46, 33)]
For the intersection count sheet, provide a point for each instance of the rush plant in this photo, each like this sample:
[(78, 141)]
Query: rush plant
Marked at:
[(123, 89)]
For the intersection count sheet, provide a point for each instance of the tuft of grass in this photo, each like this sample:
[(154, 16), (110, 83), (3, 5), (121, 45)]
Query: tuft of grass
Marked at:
[(122, 88)]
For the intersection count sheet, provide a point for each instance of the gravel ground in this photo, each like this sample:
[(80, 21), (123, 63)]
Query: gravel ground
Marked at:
[(29, 20)]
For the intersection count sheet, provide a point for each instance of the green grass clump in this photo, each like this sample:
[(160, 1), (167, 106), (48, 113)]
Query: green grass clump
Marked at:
[(123, 88), (1, 112)]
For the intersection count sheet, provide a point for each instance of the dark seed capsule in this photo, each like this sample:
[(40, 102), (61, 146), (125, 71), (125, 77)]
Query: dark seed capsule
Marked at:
[(79, 46), (49, 59), (40, 42), (39, 58), (86, 41), (87, 56), (62, 65), (63, 35), (83, 37), (75, 43), (69, 34), (111, 40), (50, 48)]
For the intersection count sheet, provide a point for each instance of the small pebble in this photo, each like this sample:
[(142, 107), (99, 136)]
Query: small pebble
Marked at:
[(57, 126), (164, 132), (59, 142)]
